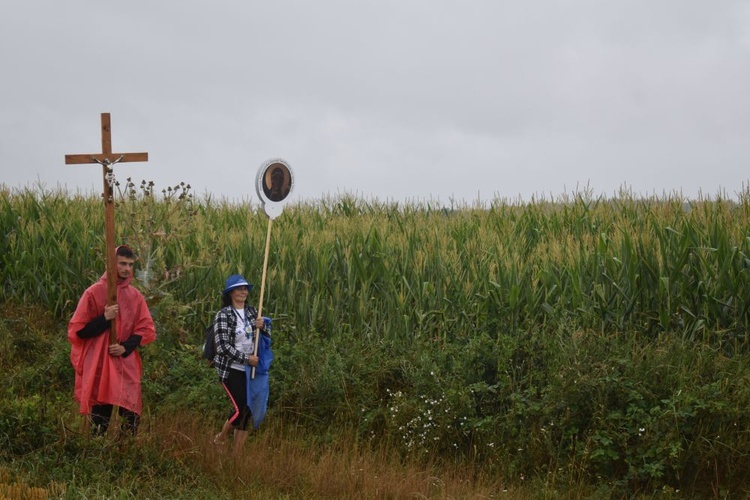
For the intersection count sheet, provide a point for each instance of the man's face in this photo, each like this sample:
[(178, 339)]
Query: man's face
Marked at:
[(124, 267)]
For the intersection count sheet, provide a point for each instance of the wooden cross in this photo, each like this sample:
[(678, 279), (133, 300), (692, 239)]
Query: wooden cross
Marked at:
[(107, 159)]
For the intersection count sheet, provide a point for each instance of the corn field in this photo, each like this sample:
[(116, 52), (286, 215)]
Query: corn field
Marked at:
[(569, 329), (348, 267)]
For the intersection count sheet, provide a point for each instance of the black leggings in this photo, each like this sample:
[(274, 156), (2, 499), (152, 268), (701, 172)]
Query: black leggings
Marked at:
[(236, 387), (101, 414)]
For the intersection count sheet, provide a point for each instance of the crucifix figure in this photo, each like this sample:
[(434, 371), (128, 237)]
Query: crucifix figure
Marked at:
[(107, 159)]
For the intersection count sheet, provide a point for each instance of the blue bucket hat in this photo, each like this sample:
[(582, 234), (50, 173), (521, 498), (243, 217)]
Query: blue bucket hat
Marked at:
[(234, 281)]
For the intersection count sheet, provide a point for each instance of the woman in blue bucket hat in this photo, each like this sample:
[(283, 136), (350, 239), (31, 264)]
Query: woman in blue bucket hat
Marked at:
[(234, 330)]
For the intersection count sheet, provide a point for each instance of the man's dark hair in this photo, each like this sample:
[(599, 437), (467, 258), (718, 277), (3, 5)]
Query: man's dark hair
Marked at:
[(125, 251)]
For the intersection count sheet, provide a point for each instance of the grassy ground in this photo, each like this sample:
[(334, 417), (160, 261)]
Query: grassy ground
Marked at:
[(175, 458), (50, 456)]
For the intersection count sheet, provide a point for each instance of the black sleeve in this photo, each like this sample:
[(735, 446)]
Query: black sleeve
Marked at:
[(130, 344), (95, 327)]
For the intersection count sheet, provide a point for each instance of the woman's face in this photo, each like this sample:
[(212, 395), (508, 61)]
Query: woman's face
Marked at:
[(239, 294)]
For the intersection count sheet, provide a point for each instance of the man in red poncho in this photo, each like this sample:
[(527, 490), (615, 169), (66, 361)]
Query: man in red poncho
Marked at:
[(110, 375)]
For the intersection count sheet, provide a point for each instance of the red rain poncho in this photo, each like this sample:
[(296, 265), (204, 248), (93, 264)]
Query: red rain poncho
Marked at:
[(101, 378)]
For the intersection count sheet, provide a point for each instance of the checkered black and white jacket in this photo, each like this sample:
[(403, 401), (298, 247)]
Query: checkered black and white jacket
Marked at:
[(225, 325)]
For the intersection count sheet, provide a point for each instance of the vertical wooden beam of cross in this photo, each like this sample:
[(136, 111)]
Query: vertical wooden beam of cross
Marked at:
[(107, 159)]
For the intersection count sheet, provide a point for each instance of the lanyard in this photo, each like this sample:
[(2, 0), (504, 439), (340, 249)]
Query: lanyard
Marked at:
[(245, 321)]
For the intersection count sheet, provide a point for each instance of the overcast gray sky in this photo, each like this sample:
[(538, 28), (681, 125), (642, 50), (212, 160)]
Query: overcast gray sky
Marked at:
[(390, 99)]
